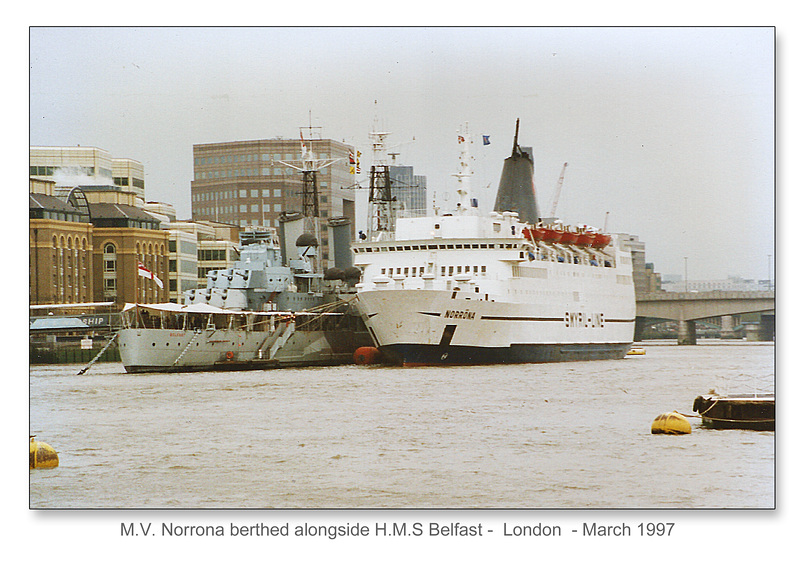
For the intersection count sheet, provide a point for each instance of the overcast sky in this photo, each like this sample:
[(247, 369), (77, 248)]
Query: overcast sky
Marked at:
[(668, 130)]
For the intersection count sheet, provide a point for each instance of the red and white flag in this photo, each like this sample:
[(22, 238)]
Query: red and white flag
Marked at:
[(145, 272)]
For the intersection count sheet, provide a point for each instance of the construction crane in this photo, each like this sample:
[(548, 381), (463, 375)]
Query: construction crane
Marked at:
[(558, 191)]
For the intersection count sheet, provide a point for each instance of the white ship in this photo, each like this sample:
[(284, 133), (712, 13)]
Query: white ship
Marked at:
[(460, 288)]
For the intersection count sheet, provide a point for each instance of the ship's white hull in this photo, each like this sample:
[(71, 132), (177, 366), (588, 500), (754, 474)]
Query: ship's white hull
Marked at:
[(152, 350), (433, 327)]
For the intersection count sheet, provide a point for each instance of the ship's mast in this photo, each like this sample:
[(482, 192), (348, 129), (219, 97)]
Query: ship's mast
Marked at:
[(381, 207), (465, 204), (309, 166)]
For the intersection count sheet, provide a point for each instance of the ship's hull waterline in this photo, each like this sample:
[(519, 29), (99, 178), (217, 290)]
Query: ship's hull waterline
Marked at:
[(420, 327), (162, 350), (458, 355)]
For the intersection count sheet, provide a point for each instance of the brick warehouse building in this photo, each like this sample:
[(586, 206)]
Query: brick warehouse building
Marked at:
[(89, 252)]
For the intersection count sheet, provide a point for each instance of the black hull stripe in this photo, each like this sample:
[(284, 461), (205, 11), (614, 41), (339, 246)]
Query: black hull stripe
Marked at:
[(418, 354), (518, 318)]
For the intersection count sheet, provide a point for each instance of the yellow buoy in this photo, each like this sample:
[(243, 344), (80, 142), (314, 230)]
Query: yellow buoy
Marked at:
[(671, 423), (42, 455)]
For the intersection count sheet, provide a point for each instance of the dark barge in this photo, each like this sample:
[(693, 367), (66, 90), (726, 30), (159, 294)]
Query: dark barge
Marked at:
[(754, 411)]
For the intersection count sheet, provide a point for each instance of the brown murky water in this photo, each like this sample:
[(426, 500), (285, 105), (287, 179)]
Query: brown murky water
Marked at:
[(571, 435)]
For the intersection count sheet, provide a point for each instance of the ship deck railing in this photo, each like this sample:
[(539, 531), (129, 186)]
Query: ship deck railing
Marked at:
[(199, 317)]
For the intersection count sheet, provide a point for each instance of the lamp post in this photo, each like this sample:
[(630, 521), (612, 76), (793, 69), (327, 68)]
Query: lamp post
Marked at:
[(686, 274), (769, 272)]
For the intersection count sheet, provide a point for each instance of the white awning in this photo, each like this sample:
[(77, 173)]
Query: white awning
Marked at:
[(196, 309)]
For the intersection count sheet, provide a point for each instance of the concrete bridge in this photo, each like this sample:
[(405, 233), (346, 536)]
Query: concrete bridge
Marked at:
[(687, 307)]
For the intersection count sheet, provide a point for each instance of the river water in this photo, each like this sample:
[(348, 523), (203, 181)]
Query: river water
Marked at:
[(537, 436)]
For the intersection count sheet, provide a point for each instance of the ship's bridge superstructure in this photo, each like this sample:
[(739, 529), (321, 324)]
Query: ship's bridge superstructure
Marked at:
[(257, 281), (481, 259)]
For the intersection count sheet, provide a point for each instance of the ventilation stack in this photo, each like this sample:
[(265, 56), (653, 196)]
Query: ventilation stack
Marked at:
[(290, 228), (516, 192), (339, 237)]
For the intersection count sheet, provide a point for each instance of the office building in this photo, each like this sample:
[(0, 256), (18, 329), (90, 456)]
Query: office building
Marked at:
[(245, 183), (632, 243), (410, 190), (90, 168)]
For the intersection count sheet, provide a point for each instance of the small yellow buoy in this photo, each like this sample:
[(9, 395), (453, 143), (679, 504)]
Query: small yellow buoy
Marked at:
[(42, 455), (671, 423)]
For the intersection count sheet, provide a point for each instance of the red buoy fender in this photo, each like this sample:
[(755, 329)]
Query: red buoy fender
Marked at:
[(367, 355), (229, 355)]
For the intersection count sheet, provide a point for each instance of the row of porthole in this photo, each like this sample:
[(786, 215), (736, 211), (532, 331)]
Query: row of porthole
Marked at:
[(434, 247), (196, 344)]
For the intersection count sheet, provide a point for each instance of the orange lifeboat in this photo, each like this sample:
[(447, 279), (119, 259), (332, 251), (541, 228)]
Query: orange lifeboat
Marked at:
[(601, 240), (585, 239), (551, 235), (569, 237)]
